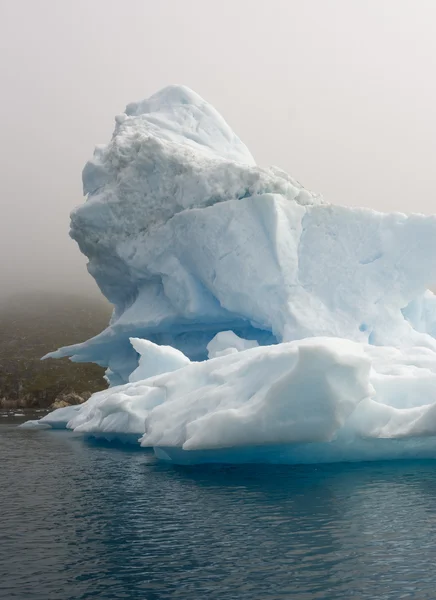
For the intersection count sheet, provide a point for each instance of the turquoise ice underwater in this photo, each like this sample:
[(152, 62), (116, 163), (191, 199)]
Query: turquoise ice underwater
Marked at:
[(253, 321)]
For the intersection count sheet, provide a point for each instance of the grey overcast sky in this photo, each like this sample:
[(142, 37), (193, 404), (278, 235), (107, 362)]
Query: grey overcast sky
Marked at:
[(339, 93)]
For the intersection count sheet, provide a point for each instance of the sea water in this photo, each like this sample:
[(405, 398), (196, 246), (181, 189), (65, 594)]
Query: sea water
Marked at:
[(81, 520)]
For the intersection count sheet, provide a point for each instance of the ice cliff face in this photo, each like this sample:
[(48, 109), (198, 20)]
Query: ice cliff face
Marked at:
[(187, 237)]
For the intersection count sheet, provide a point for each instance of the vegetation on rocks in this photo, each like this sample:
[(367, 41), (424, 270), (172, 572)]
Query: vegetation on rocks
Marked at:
[(33, 325)]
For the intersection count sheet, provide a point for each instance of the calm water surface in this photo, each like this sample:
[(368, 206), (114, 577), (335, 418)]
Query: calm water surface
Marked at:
[(83, 521)]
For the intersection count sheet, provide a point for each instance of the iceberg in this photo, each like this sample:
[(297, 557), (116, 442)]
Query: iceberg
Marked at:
[(253, 321)]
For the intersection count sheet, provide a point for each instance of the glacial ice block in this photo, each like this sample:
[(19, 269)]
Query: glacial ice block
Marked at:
[(227, 342), (155, 359), (252, 320), (188, 238), (307, 401), (290, 392)]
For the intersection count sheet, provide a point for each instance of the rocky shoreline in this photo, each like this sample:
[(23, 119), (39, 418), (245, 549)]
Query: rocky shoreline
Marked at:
[(61, 401)]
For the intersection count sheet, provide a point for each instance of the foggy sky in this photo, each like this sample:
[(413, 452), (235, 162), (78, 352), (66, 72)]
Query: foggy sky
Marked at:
[(339, 93)]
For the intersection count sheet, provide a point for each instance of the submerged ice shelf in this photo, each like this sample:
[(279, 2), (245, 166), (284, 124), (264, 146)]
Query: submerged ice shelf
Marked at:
[(252, 320)]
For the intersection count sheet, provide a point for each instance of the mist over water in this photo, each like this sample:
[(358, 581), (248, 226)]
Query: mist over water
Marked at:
[(338, 94)]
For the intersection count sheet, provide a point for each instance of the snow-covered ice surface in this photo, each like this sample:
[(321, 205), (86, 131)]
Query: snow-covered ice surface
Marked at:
[(252, 320)]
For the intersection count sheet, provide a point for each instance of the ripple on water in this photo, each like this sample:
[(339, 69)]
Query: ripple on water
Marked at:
[(82, 520)]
